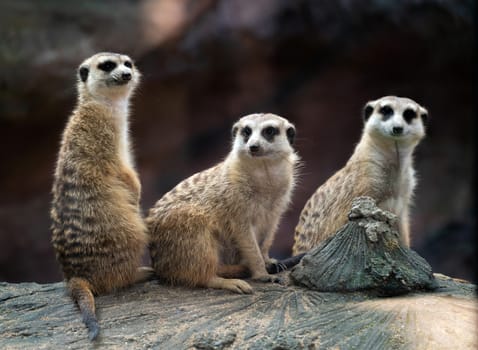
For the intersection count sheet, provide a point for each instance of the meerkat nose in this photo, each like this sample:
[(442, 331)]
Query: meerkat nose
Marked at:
[(397, 130), (126, 76), (254, 148)]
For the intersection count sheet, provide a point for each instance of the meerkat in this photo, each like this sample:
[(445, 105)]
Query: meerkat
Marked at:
[(98, 233), (381, 167), (224, 218)]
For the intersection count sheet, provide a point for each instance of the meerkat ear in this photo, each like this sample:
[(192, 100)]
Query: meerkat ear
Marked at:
[(424, 115), (290, 132), (234, 130), (424, 118), (83, 72), (367, 111)]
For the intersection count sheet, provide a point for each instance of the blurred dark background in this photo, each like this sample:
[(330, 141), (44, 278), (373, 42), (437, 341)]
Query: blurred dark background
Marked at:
[(206, 63)]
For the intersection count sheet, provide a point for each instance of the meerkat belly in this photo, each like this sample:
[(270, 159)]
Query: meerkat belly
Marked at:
[(398, 202), (256, 216), (261, 223), (266, 221)]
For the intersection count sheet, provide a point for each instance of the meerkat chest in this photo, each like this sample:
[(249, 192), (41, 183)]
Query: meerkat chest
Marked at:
[(266, 209), (262, 220), (124, 146), (271, 182), (401, 189)]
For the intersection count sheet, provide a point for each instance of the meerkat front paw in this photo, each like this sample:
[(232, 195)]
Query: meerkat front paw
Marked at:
[(239, 286), (232, 284)]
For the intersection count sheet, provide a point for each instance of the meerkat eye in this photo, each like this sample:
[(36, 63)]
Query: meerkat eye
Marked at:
[(107, 66), (247, 131), (409, 115), (269, 133), (128, 64), (386, 111)]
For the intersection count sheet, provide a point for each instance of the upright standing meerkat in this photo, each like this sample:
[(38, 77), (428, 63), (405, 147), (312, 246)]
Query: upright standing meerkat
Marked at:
[(225, 218), (381, 167), (98, 233)]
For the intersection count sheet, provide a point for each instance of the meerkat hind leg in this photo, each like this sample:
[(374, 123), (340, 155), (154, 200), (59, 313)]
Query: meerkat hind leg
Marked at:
[(234, 285)]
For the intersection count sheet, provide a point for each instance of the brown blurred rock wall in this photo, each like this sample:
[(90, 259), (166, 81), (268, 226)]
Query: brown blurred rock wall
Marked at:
[(207, 63)]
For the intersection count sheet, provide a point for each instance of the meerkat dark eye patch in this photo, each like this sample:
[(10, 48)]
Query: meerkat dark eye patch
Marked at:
[(107, 66), (386, 112), (246, 133), (128, 64), (367, 112), (409, 115), (269, 132), (290, 135), (83, 73)]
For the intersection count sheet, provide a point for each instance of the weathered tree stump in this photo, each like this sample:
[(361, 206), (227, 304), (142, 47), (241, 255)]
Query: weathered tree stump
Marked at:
[(155, 316), (365, 254)]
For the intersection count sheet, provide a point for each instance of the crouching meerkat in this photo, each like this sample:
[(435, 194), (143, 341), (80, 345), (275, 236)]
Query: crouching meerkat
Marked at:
[(381, 167), (98, 233), (222, 219)]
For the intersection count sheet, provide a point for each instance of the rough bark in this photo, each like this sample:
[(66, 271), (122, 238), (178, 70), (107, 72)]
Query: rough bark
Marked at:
[(151, 315)]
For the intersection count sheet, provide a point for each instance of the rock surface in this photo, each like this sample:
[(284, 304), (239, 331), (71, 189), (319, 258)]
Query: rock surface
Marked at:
[(153, 316), (365, 254)]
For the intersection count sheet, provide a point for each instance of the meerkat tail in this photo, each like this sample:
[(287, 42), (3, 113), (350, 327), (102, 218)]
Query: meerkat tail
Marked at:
[(285, 264), (81, 293), (241, 271), (233, 271)]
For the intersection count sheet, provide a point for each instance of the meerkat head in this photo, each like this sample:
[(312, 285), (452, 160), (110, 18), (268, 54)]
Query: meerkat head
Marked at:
[(263, 136), (397, 118), (108, 76)]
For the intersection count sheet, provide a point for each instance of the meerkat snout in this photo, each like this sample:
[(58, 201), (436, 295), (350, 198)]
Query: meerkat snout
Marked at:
[(121, 76), (126, 76), (254, 149), (397, 130)]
